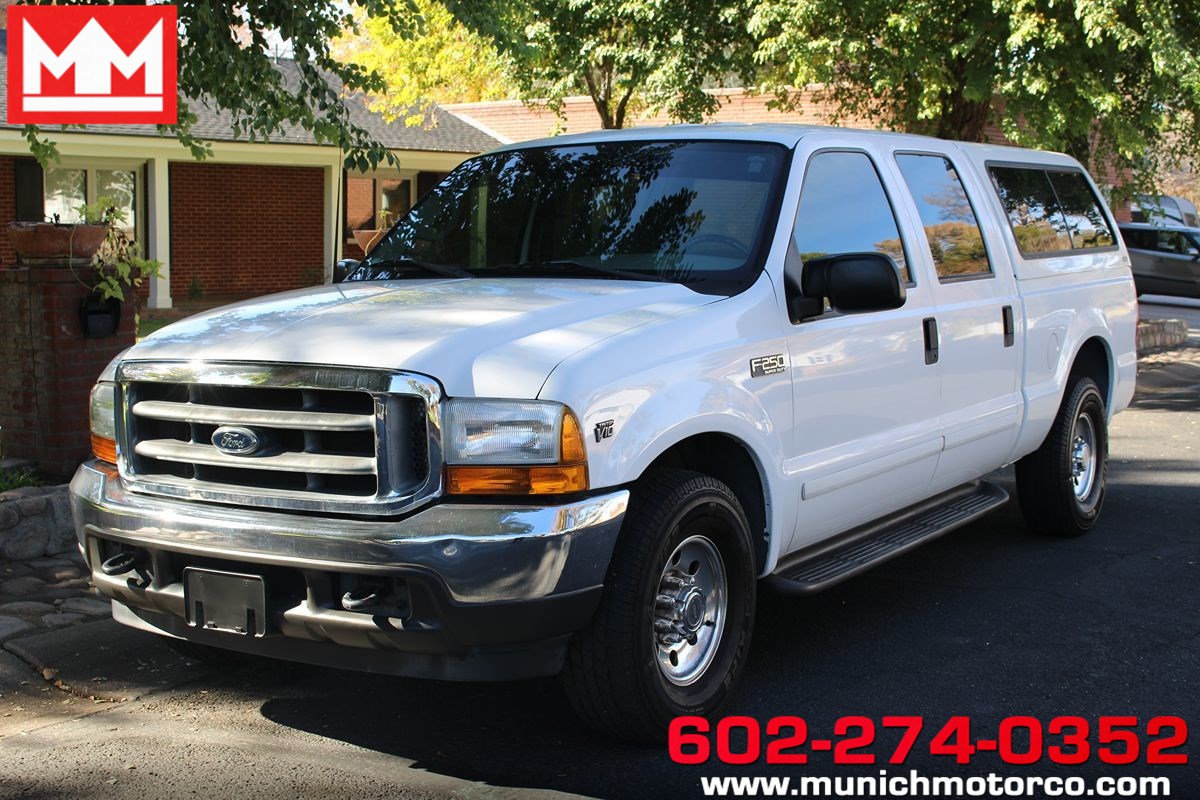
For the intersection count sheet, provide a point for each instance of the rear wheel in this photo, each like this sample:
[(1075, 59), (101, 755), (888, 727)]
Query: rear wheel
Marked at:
[(672, 631), (1061, 484)]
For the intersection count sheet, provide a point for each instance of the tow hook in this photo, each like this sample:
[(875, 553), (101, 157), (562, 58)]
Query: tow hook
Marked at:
[(362, 597), (122, 562)]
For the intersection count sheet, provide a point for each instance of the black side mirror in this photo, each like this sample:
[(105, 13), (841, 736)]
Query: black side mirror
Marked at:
[(343, 268), (854, 282)]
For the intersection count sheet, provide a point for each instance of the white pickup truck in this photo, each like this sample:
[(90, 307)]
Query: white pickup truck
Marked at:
[(573, 410)]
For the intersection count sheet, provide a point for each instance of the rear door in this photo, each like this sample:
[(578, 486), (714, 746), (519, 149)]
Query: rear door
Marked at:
[(867, 433), (977, 316)]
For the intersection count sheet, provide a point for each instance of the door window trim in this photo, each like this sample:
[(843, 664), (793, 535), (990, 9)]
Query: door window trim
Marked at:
[(987, 250), (912, 281)]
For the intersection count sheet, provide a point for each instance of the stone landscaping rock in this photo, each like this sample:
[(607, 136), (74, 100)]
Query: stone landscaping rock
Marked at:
[(11, 626), (31, 506), (36, 522), (64, 573), (16, 569), (26, 607), (92, 606), (27, 540), (22, 587), (61, 620)]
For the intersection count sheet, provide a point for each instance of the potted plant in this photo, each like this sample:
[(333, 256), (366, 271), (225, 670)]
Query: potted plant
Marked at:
[(118, 265), (56, 241), (366, 238)]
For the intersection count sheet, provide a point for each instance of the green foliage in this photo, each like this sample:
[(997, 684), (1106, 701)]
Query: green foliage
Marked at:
[(18, 478), (118, 263), (1096, 78), (435, 60), (226, 61), (624, 54), (195, 288)]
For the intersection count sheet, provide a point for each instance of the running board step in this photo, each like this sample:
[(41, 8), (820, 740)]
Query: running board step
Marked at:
[(832, 562)]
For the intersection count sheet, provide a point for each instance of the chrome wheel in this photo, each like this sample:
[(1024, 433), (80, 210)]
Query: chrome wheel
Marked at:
[(690, 610), (1083, 457)]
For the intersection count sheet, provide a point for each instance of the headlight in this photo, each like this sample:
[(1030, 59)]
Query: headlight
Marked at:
[(104, 422), (512, 447)]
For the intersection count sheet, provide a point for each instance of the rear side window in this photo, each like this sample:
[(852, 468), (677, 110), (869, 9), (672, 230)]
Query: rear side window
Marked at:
[(1050, 210), (1085, 220), (844, 209), (955, 241)]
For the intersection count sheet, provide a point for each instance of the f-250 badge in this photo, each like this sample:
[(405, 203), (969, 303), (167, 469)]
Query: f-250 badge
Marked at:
[(766, 365)]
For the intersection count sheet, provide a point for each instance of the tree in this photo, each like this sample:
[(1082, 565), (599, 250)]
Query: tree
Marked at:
[(1103, 80), (623, 54), (439, 61), (226, 61)]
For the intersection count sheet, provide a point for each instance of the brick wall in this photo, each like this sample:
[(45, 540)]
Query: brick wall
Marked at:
[(514, 120), (49, 368), (8, 209), (245, 229)]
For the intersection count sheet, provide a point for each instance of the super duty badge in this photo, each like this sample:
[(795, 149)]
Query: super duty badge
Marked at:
[(766, 365)]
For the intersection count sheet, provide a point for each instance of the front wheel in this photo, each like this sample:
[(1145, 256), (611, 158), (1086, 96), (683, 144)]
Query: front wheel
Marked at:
[(1061, 484), (672, 631)]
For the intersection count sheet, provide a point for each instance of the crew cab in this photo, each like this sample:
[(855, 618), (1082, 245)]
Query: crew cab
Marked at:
[(593, 392)]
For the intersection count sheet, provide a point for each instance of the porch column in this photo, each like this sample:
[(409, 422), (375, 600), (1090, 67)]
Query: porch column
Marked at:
[(158, 230), (333, 217)]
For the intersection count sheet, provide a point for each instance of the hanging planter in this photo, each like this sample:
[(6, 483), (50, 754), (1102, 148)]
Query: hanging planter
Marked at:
[(99, 316), (54, 240)]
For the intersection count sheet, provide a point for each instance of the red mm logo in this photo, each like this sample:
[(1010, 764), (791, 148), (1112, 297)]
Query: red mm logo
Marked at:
[(90, 64)]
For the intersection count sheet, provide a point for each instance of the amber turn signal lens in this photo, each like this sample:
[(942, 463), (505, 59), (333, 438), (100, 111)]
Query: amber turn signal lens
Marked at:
[(572, 441), (553, 479), (104, 449)]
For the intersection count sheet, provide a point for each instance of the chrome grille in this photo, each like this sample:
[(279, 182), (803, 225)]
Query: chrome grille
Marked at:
[(329, 438)]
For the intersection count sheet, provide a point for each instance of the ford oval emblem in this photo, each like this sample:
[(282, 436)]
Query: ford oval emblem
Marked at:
[(236, 441)]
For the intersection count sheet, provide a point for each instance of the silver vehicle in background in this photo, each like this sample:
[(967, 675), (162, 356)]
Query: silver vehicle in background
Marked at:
[(1166, 259)]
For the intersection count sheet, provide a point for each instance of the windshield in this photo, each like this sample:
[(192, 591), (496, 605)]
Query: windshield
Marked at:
[(689, 212)]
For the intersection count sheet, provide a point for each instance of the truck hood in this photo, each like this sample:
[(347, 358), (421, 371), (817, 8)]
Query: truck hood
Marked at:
[(487, 337)]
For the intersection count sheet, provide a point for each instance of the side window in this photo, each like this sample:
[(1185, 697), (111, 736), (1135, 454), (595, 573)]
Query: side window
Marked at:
[(844, 209), (955, 240), (1051, 210), (1085, 220), (1138, 239), (1028, 199)]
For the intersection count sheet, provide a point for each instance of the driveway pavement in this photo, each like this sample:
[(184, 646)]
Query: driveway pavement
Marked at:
[(990, 622)]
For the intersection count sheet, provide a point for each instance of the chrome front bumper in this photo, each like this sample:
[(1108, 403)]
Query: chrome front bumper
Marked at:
[(480, 576)]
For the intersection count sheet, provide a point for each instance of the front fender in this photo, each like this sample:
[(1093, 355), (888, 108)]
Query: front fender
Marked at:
[(639, 394)]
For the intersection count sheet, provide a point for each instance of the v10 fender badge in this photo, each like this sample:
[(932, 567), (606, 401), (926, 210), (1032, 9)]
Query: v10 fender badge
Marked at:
[(604, 430), (236, 441), (767, 365)]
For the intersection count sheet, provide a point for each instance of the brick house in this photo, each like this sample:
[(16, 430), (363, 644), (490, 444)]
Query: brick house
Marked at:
[(253, 218)]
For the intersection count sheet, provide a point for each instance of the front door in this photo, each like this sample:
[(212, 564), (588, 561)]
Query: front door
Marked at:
[(867, 434)]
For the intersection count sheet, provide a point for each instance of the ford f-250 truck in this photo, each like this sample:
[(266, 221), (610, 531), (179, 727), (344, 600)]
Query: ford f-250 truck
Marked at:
[(592, 392)]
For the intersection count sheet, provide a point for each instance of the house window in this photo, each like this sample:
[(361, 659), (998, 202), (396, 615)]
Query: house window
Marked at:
[(65, 190)]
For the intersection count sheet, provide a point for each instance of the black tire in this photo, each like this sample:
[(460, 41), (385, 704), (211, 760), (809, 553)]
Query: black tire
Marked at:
[(1046, 481), (206, 654), (612, 673)]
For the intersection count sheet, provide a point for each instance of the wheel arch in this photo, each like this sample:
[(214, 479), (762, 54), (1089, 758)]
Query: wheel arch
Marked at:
[(732, 461), (1094, 359)]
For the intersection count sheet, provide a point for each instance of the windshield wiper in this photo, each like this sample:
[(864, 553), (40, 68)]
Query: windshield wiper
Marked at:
[(594, 268), (445, 270)]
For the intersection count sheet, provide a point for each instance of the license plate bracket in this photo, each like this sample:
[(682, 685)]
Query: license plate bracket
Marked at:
[(230, 602)]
